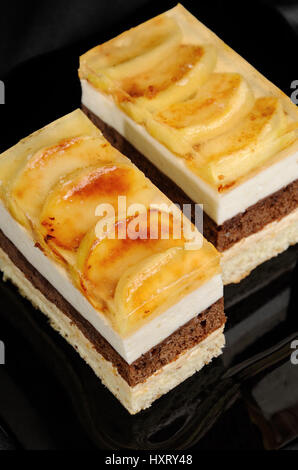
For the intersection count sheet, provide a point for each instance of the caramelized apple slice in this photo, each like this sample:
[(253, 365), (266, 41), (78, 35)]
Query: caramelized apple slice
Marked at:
[(70, 209), (134, 49), (148, 67), (32, 183), (71, 126), (256, 138), (103, 260), (158, 282), (174, 79), (217, 106)]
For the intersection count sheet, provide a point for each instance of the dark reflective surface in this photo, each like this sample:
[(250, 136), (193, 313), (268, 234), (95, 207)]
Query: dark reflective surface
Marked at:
[(246, 399), (50, 398)]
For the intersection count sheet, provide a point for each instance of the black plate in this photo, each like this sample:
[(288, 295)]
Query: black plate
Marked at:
[(247, 398)]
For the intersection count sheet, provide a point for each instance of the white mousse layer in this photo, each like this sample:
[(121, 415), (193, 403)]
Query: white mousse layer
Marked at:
[(220, 207), (131, 347)]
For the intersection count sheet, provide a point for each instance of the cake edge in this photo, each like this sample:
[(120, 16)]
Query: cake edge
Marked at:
[(238, 261), (136, 398)]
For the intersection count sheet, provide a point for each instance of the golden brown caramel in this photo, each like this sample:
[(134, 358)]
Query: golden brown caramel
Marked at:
[(32, 183), (210, 100), (160, 282), (70, 209), (149, 83), (258, 136), (217, 106), (140, 275)]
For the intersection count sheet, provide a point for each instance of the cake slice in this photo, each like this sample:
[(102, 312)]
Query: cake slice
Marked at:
[(212, 124), (119, 271)]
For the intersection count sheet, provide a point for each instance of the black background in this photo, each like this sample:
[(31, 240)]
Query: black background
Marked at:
[(40, 43), (30, 28)]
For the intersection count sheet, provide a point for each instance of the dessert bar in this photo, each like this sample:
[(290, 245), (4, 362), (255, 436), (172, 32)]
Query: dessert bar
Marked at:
[(225, 135), (141, 305)]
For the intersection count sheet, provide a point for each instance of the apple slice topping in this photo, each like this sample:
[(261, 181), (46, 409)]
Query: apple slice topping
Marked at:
[(42, 170), (172, 80), (260, 134), (217, 106), (149, 255), (69, 211)]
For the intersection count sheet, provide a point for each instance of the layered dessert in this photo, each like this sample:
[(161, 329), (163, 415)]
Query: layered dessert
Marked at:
[(172, 92), (121, 274)]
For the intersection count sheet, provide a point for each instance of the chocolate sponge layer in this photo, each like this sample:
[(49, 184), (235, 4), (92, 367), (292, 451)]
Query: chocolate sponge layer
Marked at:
[(267, 210)]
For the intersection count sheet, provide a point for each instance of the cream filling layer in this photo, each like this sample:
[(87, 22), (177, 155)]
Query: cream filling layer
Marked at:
[(133, 346), (219, 206)]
